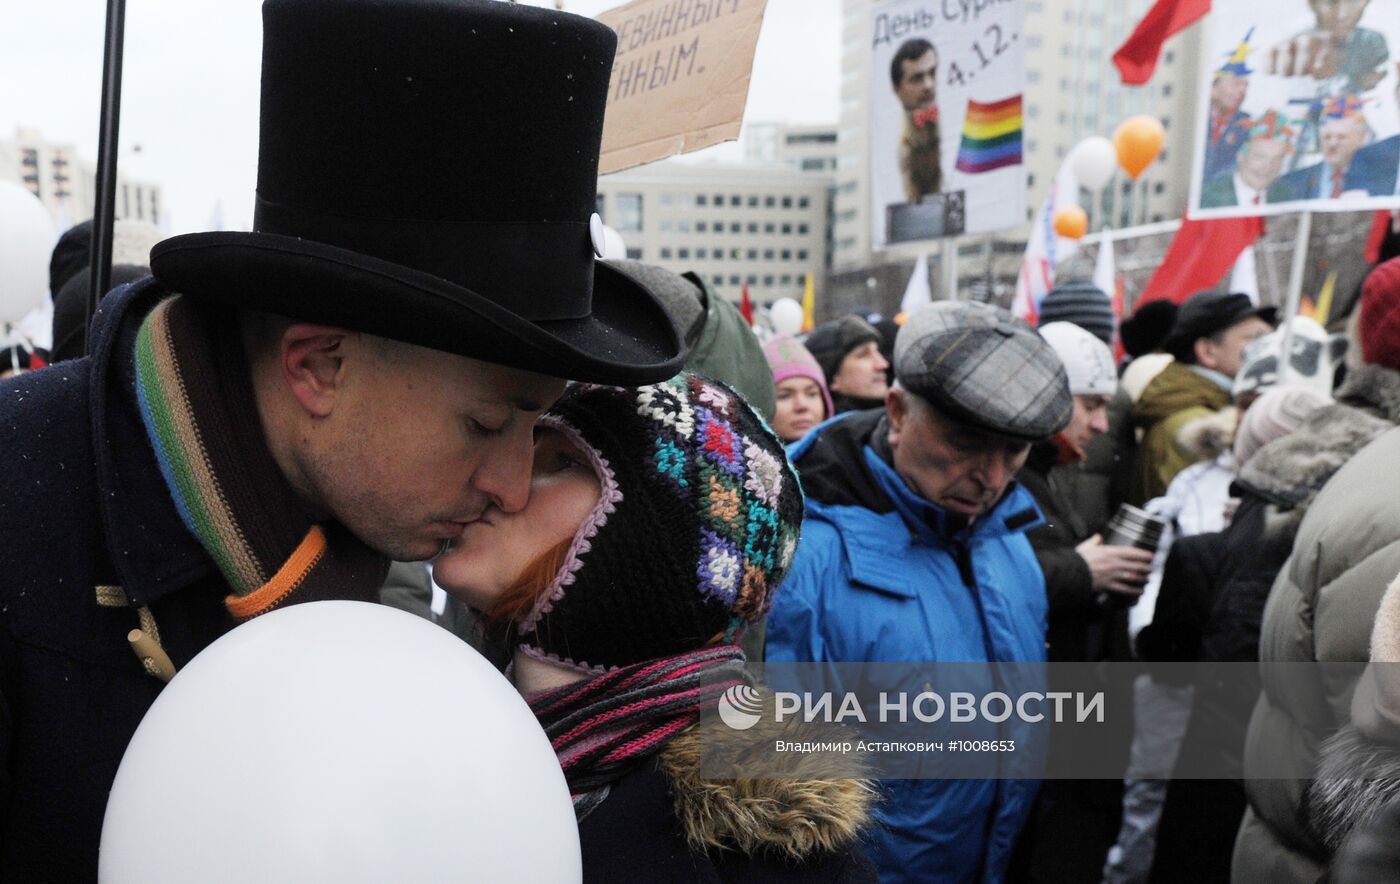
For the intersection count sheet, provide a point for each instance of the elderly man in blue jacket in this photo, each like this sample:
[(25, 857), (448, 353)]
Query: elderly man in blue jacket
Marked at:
[(914, 549)]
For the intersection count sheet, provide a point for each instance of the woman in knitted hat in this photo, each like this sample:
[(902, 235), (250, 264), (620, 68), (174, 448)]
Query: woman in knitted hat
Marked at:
[(660, 520), (803, 399)]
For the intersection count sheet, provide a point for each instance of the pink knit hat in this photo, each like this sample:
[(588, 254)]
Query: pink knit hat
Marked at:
[(789, 359), (1275, 414)]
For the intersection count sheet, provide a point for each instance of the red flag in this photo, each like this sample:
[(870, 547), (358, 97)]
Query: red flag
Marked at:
[(1119, 354), (1136, 59), (1200, 255), (746, 306), (1382, 225)]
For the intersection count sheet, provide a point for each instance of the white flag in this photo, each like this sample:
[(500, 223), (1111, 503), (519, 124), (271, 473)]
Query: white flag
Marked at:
[(1245, 277), (1045, 248), (917, 293), (1105, 273)]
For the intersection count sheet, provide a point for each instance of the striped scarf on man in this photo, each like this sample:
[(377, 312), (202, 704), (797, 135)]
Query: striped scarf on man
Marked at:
[(196, 398)]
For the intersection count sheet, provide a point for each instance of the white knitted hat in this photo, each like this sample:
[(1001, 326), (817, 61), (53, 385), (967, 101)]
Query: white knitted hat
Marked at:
[(1088, 361)]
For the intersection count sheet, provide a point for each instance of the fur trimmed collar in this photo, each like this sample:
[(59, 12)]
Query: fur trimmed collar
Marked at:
[(1373, 389), (1209, 437), (1291, 471), (1288, 473), (817, 804)]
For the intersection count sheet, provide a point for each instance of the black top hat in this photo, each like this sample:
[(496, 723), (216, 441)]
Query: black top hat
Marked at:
[(427, 171)]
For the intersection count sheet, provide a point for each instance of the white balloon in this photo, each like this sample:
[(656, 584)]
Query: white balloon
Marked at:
[(26, 243), (786, 315), (1094, 161), (340, 742)]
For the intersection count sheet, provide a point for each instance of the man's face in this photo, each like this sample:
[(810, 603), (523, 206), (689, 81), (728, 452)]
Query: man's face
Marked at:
[(1341, 139), (419, 443), (862, 373), (1261, 162), (916, 89), (1338, 17), (1227, 93), (962, 470), (1090, 419), (1226, 355)]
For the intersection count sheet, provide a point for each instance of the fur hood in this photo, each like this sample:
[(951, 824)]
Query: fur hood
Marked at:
[(1373, 389), (1209, 437), (1358, 773), (819, 803), (1289, 472), (1356, 777)]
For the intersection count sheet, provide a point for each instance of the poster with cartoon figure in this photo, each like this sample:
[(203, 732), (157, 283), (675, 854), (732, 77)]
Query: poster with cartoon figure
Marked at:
[(945, 130), (1301, 109)]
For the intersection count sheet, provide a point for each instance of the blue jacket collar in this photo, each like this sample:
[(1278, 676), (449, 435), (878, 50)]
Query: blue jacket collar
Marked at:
[(1015, 512)]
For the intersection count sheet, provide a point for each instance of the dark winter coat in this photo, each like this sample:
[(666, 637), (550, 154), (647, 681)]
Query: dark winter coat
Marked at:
[(83, 505), (1099, 483), (1080, 628), (1189, 580), (665, 824)]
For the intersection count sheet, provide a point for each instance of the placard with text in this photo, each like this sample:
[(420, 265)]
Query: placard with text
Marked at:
[(947, 84)]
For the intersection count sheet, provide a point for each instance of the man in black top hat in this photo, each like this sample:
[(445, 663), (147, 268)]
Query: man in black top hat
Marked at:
[(278, 412), (1207, 345)]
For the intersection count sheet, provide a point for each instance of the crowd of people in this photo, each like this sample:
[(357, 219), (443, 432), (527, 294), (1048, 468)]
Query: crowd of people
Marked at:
[(600, 476)]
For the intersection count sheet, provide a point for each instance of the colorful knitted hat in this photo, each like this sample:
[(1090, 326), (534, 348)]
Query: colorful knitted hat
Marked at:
[(789, 359), (695, 527)]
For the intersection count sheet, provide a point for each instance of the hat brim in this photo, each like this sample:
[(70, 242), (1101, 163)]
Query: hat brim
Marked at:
[(629, 339), (1180, 337)]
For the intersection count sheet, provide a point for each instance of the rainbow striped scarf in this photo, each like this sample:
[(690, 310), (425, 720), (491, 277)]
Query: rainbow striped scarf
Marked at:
[(196, 400), (600, 728)]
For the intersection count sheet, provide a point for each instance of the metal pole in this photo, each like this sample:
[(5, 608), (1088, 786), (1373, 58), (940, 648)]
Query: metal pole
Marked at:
[(950, 268), (1295, 293), (100, 262)]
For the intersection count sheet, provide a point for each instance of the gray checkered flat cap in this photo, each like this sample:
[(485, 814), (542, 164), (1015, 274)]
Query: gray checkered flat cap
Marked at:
[(983, 367)]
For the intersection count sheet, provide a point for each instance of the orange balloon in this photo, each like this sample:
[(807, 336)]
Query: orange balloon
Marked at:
[(1138, 141), (1071, 223)]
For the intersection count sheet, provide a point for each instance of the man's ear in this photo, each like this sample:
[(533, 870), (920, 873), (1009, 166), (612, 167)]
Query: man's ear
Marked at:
[(312, 359), (1205, 353), (897, 411)]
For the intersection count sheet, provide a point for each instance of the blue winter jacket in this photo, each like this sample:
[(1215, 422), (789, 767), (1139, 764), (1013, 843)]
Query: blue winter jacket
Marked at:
[(882, 575)]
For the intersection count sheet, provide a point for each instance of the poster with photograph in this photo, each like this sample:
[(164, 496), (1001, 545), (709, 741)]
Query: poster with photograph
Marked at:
[(947, 80), (1300, 108)]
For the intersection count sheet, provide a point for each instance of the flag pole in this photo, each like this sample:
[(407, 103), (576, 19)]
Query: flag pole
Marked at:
[(1295, 293), (100, 258)]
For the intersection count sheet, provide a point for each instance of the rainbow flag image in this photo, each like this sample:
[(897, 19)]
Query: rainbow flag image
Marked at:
[(991, 136)]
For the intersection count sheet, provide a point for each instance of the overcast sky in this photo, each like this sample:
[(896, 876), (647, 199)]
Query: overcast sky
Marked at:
[(190, 87)]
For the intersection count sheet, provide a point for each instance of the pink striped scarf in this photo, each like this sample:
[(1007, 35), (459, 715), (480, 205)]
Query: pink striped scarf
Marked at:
[(600, 728)]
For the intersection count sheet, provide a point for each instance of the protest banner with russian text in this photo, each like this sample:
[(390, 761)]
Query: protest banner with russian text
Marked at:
[(680, 79), (947, 143)]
